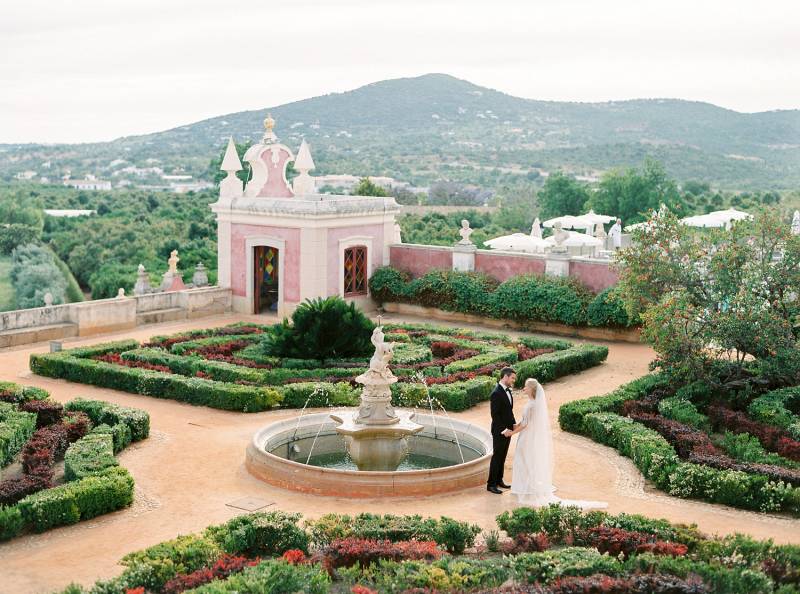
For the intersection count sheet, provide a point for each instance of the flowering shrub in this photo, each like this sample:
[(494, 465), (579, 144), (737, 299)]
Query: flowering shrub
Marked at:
[(527, 543), (617, 541), (294, 556), (347, 552), (222, 568)]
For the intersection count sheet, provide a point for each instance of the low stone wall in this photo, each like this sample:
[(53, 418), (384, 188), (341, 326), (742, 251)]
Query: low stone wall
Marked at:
[(589, 332), (595, 273), (86, 318)]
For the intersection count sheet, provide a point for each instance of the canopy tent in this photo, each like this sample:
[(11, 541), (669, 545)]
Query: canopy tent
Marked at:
[(518, 242)]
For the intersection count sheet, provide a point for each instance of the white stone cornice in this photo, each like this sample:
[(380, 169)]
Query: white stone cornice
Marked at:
[(309, 206)]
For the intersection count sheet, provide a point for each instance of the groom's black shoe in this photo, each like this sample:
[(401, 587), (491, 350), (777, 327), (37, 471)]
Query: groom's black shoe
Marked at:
[(502, 485), (494, 490)]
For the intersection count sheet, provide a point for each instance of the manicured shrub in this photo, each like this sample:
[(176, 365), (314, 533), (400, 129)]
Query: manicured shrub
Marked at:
[(89, 456), (272, 577), (776, 408), (78, 500), (16, 428), (451, 535), (347, 552), (222, 568), (265, 534), (548, 566), (684, 411), (388, 284), (15, 393), (108, 413), (542, 298), (120, 435), (618, 542), (11, 522), (322, 328), (47, 412), (14, 489), (772, 438), (319, 394), (649, 583), (550, 366), (445, 575), (608, 310), (527, 543)]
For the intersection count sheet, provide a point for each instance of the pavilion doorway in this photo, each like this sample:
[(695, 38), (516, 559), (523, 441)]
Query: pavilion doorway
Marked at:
[(266, 286)]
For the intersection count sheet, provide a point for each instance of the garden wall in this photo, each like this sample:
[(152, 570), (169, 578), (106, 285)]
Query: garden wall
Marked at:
[(597, 274), (25, 326), (593, 333)]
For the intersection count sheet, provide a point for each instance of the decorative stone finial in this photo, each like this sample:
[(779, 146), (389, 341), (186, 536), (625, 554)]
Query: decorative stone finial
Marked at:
[(304, 183), (231, 186), (269, 135), (200, 277), (231, 162), (121, 293), (48, 299)]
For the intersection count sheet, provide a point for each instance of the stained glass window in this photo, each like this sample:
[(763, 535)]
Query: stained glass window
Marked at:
[(355, 271)]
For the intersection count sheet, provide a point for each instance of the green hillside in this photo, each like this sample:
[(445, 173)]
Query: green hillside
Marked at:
[(6, 290), (436, 127)]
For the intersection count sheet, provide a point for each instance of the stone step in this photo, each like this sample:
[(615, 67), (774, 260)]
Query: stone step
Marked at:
[(20, 336), (156, 316)]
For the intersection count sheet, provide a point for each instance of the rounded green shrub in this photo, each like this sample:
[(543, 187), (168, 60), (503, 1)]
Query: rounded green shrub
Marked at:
[(607, 309)]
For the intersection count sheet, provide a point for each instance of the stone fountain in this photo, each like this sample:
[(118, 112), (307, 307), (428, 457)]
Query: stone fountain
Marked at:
[(376, 434)]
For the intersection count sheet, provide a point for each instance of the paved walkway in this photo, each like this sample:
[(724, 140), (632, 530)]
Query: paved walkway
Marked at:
[(192, 465)]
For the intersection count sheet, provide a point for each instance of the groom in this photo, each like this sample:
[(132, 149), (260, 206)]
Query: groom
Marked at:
[(502, 410)]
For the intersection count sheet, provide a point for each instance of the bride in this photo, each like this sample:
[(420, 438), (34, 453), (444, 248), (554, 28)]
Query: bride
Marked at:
[(532, 481)]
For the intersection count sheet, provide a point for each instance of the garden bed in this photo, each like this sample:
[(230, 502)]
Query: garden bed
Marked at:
[(226, 368), (87, 434), (722, 455), (555, 550)]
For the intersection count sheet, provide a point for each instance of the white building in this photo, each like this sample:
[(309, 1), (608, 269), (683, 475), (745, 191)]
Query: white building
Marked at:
[(88, 184)]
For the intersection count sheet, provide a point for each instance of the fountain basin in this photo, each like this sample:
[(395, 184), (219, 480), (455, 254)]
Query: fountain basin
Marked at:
[(277, 455)]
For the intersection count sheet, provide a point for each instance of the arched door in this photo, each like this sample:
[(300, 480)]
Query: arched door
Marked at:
[(266, 289)]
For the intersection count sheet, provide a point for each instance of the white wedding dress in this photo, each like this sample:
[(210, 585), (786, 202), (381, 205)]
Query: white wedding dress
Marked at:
[(532, 480)]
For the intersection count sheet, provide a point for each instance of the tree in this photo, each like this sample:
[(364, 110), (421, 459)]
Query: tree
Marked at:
[(562, 195), (713, 296), (631, 193), (366, 187)]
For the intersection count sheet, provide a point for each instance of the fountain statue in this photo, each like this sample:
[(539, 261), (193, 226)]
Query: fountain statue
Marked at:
[(376, 434)]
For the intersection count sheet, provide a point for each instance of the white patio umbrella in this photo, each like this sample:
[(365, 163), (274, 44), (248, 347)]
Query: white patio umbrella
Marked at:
[(518, 242), (592, 218), (567, 222), (706, 220), (576, 239), (796, 223)]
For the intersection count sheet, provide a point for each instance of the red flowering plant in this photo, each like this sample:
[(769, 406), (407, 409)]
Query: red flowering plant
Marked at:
[(223, 567), (347, 552), (116, 359), (294, 557)]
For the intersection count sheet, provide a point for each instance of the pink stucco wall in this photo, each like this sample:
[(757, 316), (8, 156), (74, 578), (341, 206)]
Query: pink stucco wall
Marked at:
[(336, 234), (504, 266), (597, 276), (275, 186), (291, 258), (419, 259)]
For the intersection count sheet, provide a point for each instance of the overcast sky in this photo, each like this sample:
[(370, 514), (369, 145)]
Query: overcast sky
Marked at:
[(87, 70)]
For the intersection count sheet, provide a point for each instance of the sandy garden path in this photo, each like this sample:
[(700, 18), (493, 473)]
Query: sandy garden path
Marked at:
[(193, 465)]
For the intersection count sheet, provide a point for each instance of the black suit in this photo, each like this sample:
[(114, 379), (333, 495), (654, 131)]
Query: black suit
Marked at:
[(502, 410)]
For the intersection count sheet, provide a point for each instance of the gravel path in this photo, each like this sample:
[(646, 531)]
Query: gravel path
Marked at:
[(193, 465)]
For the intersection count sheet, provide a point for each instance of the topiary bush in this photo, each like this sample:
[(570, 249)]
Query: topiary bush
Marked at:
[(265, 534), (608, 310), (322, 329)]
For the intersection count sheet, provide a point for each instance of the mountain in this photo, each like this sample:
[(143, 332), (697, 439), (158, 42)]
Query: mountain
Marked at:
[(439, 127)]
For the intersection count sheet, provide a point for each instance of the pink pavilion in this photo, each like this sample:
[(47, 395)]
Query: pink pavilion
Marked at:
[(280, 243)]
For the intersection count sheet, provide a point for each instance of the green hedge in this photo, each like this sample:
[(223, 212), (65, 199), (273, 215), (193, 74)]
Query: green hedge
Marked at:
[(550, 366), (658, 461), (536, 298), (775, 408), (319, 394), (455, 397), (79, 500), (101, 412), (194, 390), (17, 393), (495, 355), (89, 456), (16, 427)]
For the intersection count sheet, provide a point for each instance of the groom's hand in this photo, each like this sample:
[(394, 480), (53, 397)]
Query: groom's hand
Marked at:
[(506, 433)]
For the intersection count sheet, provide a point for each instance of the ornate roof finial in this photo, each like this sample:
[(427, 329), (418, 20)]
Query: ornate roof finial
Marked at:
[(269, 124)]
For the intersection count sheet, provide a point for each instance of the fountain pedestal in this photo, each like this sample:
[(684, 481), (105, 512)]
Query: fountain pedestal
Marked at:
[(376, 434)]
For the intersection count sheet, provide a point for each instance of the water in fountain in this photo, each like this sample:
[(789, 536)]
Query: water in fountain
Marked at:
[(421, 379)]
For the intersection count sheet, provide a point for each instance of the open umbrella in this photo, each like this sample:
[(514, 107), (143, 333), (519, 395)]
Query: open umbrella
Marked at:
[(576, 239), (518, 242), (567, 222)]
